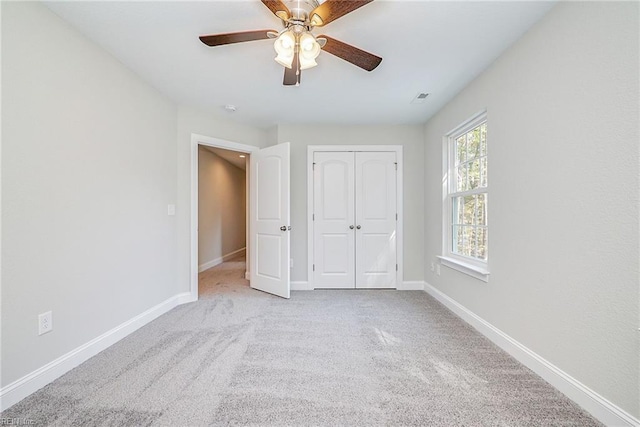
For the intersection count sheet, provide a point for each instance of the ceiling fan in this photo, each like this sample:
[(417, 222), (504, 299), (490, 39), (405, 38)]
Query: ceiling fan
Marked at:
[(296, 47)]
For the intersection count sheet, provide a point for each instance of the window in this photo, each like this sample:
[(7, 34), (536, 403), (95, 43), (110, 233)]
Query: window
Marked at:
[(466, 231)]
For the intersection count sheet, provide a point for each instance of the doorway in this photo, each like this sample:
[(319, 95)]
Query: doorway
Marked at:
[(199, 142), (222, 214), (268, 244)]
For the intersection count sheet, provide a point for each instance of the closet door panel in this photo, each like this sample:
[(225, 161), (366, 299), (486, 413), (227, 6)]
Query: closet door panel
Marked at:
[(375, 208), (333, 199)]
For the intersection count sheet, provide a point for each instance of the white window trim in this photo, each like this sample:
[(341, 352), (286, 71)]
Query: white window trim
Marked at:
[(474, 268), (465, 267)]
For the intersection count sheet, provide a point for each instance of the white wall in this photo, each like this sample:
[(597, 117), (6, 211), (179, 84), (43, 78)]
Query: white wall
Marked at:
[(563, 156), (193, 121), (88, 169), (272, 135), (221, 208), (411, 137)]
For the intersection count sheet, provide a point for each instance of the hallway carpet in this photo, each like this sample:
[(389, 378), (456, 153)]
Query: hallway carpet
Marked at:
[(322, 358)]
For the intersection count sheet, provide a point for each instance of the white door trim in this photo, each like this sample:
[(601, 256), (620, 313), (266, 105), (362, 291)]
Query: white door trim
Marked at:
[(311, 149), (211, 142)]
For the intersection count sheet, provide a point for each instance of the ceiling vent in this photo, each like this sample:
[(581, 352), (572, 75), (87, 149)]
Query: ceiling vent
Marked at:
[(420, 98)]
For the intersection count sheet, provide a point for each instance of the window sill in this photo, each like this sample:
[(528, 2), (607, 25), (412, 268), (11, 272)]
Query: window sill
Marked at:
[(466, 268)]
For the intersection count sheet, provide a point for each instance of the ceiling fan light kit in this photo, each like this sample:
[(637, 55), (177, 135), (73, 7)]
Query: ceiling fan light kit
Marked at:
[(294, 40), (296, 47), (309, 49), (285, 46)]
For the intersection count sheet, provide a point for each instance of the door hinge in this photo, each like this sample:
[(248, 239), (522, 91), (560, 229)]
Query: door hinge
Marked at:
[(396, 217), (314, 267), (396, 267), (313, 217)]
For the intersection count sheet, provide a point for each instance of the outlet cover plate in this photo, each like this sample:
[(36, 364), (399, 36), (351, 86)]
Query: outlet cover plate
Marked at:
[(45, 323)]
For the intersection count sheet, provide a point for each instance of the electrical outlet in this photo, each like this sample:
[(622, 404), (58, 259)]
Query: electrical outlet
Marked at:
[(433, 266), (438, 269), (45, 323)]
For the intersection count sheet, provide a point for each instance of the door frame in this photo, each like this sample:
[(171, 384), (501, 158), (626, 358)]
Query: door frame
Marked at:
[(311, 150), (197, 140)]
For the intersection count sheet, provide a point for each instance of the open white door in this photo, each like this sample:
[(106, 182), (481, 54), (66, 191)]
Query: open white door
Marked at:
[(269, 220)]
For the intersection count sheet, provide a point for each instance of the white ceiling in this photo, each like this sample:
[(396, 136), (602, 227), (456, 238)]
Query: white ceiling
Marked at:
[(427, 46)]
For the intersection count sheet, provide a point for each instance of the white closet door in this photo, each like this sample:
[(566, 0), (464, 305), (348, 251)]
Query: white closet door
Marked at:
[(375, 185), (333, 199)]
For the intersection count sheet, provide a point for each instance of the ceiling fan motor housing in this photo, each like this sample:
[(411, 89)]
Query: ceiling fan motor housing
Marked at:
[(301, 9)]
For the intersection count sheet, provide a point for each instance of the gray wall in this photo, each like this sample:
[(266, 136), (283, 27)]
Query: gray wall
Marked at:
[(88, 168), (221, 207), (411, 137), (563, 191)]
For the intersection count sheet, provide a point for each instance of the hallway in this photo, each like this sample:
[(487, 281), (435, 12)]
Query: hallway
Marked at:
[(223, 277)]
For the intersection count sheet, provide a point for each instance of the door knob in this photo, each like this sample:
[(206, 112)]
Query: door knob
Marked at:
[(351, 227), (358, 227), (283, 228)]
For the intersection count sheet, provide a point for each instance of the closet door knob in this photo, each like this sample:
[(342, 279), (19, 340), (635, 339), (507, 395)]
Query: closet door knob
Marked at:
[(351, 227), (283, 228), (358, 227)]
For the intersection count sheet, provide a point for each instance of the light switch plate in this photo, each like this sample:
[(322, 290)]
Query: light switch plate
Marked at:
[(171, 210)]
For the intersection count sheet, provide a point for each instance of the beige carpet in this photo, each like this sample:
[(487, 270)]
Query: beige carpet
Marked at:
[(322, 358)]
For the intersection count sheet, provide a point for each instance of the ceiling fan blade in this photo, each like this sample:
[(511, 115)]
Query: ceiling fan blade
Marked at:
[(278, 8), (292, 75), (228, 38), (331, 10), (359, 57)]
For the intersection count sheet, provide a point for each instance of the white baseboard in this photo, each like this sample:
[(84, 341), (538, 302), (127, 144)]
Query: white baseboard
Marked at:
[(601, 408), (187, 297), (30, 383), (207, 265), (300, 286), (411, 285)]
